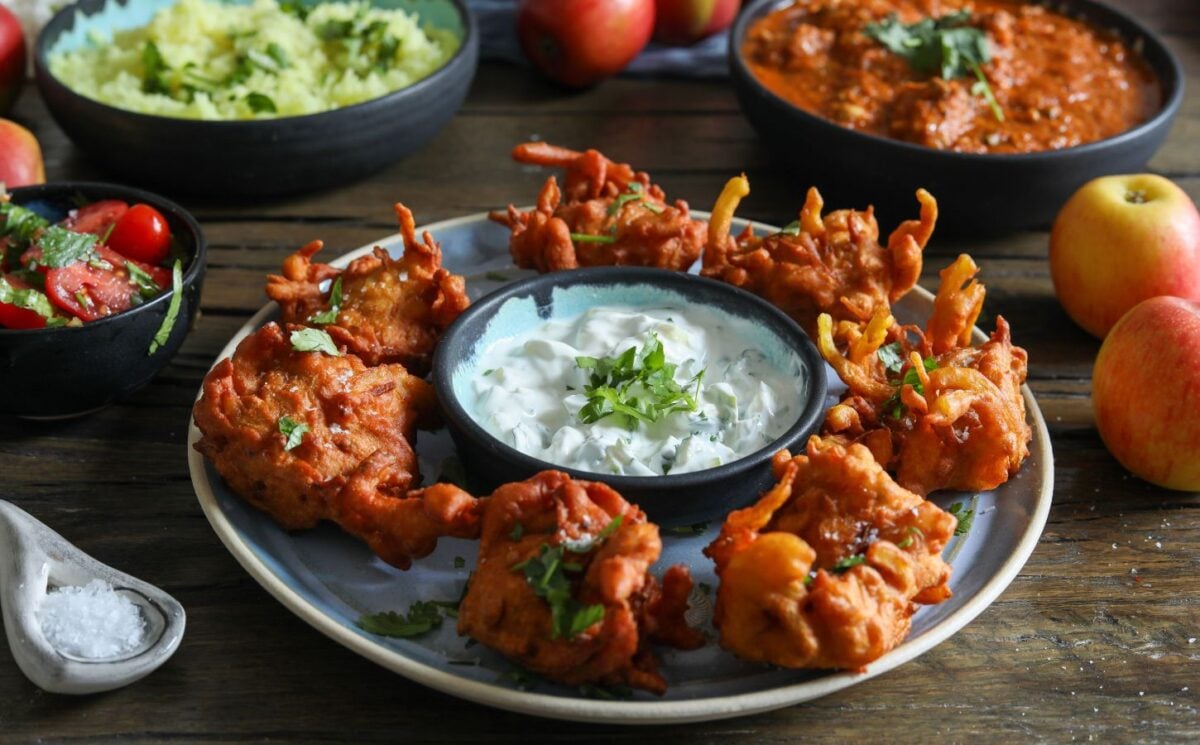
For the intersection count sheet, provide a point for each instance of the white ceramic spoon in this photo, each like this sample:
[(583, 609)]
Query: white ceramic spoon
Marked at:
[(33, 559)]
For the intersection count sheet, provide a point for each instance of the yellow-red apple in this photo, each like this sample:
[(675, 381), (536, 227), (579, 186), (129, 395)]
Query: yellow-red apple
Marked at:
[(20, 156), (12, 59), (1146, 392), (689, 21), (1120, 240)]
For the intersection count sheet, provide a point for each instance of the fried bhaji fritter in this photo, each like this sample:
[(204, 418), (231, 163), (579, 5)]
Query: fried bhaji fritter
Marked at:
[(824, 570), (391, 310), (617, 217), (598, 607), (352, 463), (819, 264), (946, 415)]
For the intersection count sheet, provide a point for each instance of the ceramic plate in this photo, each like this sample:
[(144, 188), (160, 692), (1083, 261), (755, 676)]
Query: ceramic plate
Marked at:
[(329, 579)]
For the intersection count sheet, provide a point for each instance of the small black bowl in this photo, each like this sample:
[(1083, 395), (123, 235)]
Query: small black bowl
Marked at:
[(61, 372), (670, 500), (257, 158), (976, 193)]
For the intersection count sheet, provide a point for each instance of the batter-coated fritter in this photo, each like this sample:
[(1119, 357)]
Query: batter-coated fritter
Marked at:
[(616, 215), (598, 607), (819, 264), (944, 415), (353, 462), (824, 571), (391, 310)]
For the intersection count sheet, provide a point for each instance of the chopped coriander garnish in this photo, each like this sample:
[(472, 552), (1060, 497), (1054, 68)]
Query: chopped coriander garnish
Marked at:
[(145, 284), (585, 545), (849, 561), (314, 340), (459, 562), (636, 386), (29, 298), (522, 678), (19, 226), (292, 431), (518, 532), (335, 305), (260, 103), (587, 238), (908, 540), (168, 323), (792, 228), (966, 516), (606, 693), (891, 356), (489, 371), (496, 276), (61, 246), (894, 404), (546, 575), (946, 45), (423, 616)]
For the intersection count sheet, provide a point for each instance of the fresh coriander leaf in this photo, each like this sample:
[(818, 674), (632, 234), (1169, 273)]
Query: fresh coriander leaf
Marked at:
[(168, 322), (19, 226), (891, 357), (154, 70), (584, 618), (335, 305), (546, 576), (260, 103), (497, 276), (622, 200), (422, 617), (29, 299), (278, 54), (792, 228), (652, 207), (333, 30), (966, 516), (459, 562), (587, 544), (292, 431), (522, 678), (693, 529), (145, 284), (314, 340), (518, 532), (849, 561), (606, 693), (61, 246)]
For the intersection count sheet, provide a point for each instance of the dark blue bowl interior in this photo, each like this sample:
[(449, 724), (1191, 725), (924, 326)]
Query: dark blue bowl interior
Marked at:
[(976, 193), (67, 371), (675, 499), (257, 158)]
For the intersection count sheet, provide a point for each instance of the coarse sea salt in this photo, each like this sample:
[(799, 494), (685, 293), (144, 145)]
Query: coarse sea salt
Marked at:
[(93, 622)]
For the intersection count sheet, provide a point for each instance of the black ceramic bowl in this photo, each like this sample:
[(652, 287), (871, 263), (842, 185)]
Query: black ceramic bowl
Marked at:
[(976, 193), (675, 499), (66, 371), (258, 158)]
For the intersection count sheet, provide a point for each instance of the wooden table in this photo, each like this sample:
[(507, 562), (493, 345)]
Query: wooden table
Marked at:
[(1095, 640)]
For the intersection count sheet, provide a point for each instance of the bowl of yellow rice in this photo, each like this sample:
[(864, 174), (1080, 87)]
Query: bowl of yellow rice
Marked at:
[(254, 98)]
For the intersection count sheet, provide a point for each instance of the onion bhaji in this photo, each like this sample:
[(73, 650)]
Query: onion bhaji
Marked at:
[(605, 214), (308, 436), (939, 413), (824, 570), (562, 585), (381, 309), (819, 264)]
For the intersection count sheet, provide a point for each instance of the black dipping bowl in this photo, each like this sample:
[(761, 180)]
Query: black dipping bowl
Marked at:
[(976, 193), (67, 371), (675, 499), (263, 157)]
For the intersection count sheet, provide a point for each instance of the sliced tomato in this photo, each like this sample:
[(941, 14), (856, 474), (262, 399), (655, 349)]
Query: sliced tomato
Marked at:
[(141, 233), (99, 288), (97, 217)]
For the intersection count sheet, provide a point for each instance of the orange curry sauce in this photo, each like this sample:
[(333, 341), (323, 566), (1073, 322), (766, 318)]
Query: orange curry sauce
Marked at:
[(1059, 82)]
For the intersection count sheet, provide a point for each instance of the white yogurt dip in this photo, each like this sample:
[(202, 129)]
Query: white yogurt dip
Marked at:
[(531, 392)]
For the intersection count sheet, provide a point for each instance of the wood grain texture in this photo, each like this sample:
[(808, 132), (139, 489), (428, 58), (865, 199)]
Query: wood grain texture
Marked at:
[(1096, 640)]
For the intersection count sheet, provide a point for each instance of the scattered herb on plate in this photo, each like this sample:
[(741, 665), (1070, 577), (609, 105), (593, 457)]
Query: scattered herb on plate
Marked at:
[(292, 431)]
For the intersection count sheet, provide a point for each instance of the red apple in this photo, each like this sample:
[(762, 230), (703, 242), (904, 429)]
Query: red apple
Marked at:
[(689, 21), (581, 42), (20, 156), (12, 59), (1146, 392), (1120, 240)]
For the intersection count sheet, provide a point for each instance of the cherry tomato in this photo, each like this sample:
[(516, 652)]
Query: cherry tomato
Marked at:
[(90, 290), (16, 317), (142, 234), (95, 218)]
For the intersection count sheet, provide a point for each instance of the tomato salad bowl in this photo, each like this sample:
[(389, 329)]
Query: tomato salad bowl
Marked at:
[(100, 286)]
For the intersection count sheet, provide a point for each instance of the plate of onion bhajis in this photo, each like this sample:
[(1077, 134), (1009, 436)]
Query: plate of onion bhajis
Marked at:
[(318, 456)]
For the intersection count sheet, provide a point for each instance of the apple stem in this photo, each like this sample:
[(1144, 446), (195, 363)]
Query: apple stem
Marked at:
[(1136, 196)]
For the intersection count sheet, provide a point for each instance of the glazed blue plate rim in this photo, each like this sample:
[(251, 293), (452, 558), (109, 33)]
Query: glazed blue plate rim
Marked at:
[(1033, 487)]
